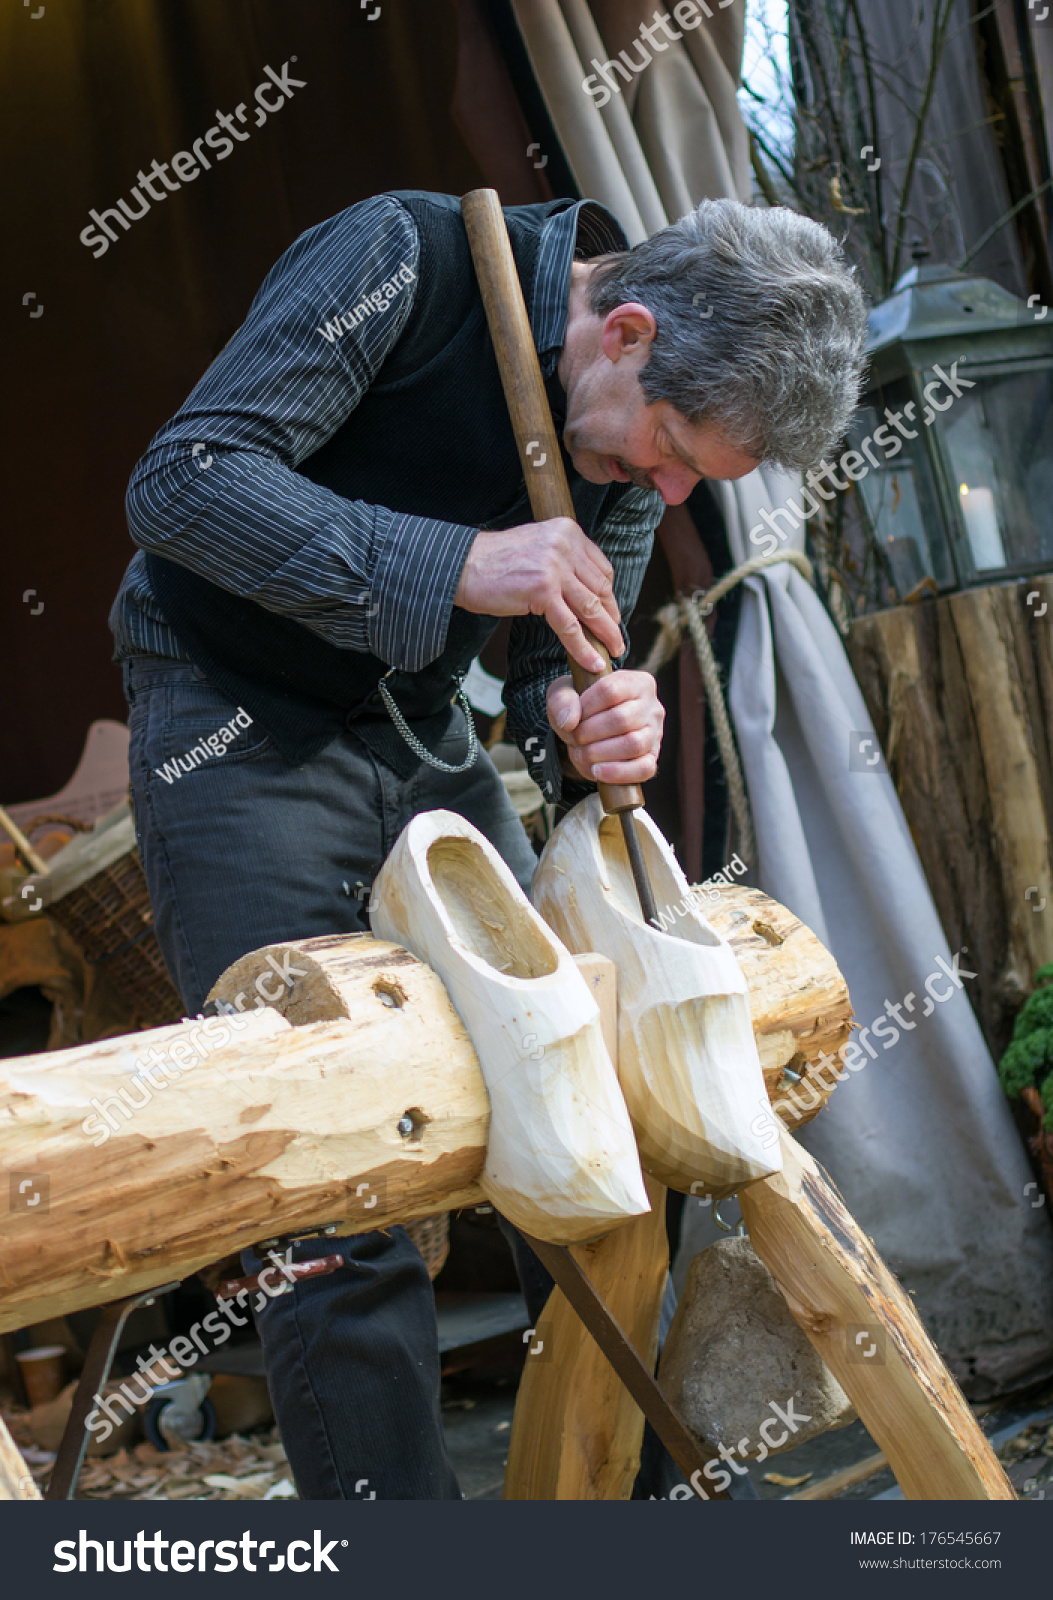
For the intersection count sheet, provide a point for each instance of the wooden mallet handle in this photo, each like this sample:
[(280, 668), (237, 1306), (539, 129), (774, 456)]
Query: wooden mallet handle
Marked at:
[(528, 406)]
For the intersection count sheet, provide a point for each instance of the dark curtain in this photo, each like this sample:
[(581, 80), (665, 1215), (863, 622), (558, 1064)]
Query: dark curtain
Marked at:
[(94, 90)]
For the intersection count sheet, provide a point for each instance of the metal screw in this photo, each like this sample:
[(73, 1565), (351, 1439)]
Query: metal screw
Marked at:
[(405, 1126)]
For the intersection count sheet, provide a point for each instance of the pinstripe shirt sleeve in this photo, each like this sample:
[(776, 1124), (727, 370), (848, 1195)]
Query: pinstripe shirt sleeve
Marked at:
[(536, 655), (216, 491)]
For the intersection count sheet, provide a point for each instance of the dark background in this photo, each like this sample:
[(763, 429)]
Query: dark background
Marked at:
[(91, 92)]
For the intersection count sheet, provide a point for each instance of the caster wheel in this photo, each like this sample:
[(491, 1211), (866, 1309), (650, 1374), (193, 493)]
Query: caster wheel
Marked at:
[(168, 1425)]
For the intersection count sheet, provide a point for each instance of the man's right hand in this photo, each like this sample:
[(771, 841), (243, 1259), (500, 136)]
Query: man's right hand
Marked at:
[(547, 569)]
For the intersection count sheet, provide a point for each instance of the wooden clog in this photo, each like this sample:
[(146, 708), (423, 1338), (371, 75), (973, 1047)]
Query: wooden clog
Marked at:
[(687, 1058), (561, 1159)]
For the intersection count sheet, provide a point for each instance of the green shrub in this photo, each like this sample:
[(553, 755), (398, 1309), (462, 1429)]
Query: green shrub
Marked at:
[(1028, 1062)]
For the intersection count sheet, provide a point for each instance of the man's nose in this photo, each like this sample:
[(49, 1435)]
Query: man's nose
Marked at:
[(674, 482)]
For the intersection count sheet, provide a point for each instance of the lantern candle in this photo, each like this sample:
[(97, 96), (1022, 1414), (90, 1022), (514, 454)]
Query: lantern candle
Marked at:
[(981, 527)]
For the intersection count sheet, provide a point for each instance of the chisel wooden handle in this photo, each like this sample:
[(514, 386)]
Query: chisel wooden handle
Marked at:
[(528, 406)]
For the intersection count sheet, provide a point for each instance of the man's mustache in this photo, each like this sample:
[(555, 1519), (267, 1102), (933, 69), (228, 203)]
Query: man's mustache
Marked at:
[(636, 475)]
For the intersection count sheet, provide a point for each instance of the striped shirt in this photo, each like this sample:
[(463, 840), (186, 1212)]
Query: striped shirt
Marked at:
[(218, 491)]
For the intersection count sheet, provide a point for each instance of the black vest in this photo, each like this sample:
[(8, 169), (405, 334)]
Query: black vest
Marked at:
[(432, 438)]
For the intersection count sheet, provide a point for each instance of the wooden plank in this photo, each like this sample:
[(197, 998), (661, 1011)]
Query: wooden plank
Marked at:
[(838, 1482), (996, 649), (868, 1333)]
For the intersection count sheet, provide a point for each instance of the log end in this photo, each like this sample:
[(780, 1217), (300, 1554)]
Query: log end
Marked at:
[(799, 1002)]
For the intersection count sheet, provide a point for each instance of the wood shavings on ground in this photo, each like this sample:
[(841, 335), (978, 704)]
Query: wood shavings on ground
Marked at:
[(238, 1468), (241, 1467)]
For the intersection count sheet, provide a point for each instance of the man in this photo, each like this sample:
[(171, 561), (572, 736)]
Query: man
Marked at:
[(329, 530)]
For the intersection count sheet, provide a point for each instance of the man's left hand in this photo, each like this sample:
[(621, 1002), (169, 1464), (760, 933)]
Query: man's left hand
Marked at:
[(613, 732)]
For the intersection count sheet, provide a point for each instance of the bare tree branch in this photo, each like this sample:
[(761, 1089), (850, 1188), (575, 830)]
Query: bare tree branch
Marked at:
[(764, 183), (989, 233)]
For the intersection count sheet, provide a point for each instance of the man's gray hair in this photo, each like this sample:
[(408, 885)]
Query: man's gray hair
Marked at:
[(761, 326)]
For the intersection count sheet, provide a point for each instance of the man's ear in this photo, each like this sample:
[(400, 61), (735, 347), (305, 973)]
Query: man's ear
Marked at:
[(628, 330)]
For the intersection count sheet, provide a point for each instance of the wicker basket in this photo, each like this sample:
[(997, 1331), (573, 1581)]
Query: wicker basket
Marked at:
[(431, 1235), (109, 916)]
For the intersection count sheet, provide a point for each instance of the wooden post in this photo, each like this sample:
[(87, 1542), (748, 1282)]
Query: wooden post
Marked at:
[(868, 1333), (576, 1433), (16, 1480), (961, 693)]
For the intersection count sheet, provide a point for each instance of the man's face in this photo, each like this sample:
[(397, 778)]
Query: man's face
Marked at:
[(613, 435)]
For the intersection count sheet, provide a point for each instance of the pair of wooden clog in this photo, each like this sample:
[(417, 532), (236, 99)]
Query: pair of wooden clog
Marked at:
[(568, 1132)]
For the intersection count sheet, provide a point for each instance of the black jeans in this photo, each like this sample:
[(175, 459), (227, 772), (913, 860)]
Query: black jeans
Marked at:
[(241, 851)]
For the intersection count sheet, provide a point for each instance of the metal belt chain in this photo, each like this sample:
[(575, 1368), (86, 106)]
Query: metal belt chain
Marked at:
[(414, 743)]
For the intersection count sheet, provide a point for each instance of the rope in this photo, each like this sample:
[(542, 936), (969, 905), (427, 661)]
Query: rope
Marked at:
[(689, 612)]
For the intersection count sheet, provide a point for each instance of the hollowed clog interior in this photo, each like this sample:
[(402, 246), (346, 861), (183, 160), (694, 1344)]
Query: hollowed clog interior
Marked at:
[(488, 919), (669, 896)]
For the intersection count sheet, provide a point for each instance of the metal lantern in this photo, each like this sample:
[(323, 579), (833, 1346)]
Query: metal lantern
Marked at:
[(962, 382)]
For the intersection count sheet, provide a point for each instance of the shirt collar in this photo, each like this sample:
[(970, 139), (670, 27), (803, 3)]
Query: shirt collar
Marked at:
[(584, 230)]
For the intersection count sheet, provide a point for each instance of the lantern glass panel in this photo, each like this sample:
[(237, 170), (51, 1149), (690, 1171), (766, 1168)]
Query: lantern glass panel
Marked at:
[(999, 441), (900, 495)]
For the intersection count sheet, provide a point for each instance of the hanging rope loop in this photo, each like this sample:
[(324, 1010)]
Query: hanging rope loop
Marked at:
[(688, 612)]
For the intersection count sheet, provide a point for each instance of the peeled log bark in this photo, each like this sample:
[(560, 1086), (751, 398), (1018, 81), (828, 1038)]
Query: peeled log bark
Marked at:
[(280, 1128)]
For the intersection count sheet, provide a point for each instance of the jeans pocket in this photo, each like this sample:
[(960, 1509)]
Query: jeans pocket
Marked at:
[(178, 728)]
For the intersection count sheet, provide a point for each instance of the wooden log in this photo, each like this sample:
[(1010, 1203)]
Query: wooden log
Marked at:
[(868, 1333), (961, 694), (221, 1141), (799, 1003), (687, 1058), (16, 1480), (205, 1167), (561, 1163)]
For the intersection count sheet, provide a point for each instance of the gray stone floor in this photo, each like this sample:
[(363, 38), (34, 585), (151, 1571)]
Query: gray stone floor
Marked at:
[(477, 1416)]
